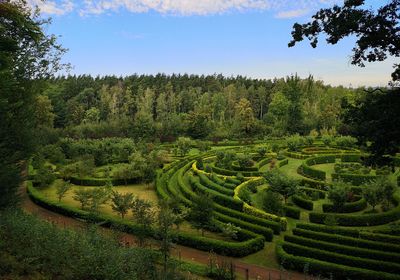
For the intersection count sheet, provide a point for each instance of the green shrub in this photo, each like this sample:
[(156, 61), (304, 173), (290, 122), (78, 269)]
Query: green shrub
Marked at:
[(346, 240), (302, 202), (338, 272), (355, 206), (343, 249), (291, 212), (337, 258)]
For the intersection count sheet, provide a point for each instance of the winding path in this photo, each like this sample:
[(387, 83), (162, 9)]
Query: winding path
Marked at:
[(185, 253)]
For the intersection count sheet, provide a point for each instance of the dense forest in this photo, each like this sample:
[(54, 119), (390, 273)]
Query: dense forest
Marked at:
[(203, 107)]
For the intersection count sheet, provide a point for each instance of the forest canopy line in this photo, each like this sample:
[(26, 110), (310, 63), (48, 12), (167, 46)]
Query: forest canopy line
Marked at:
[(212, 107)]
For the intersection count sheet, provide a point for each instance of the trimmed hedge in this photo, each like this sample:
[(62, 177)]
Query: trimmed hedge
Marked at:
[(291, 212), (372, 236), (310, 191), (216, 196), (210, 184), (362, 219), (344, 249), (275, 226), (346, 240), (296, 155), (355, 206), (302, 202), (354, 179), (100, 181), (337, 258), (266, 232), (283, 162), (351, 158), (313, 173), (336, 271)]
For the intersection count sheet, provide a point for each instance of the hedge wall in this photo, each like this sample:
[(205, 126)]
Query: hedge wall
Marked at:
[(372, 236), (336, 271), (100, 181), (210, 184), (344, 249), (346, 240), (291, 212), (354, 179), (355, 206), (337, 258), (351, 158), (302, 202)]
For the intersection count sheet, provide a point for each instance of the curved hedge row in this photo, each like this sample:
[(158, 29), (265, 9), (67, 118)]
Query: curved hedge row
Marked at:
[(310, 252), (302, 202), (332, 270), (313, 173), (362, 219), (344, 249), (100, 181), (372, 236), (210, 184), (250, 242), (346, 240), (355, 179), (355, 206)]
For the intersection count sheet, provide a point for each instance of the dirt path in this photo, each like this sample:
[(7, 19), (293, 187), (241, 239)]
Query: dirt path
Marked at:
[(185, 253)]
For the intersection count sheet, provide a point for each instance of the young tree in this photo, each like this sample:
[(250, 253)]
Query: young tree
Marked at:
[(338, 195), (144, 216), (281, 183), (244, 117), (272, 202), (121, 203), (183, 144), (98, 197), (165, 220), (202, 212), (83, 197), (372, 194), (62, 188)]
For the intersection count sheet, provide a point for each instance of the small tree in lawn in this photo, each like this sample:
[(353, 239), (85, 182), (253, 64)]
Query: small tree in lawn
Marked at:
[(372, 194), (202, 212), (149, 174), (338, 195), (165, 220), (62, 188), (83, 197), (121, 203), (183, 145), (272, 202), (144, 216), (281, 183), (99, 196)]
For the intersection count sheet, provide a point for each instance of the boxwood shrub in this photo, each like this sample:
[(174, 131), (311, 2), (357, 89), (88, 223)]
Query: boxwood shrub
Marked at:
[(347, 240), (349, 207), (302, 202), (327, 269), (344, 249), (323, 255)]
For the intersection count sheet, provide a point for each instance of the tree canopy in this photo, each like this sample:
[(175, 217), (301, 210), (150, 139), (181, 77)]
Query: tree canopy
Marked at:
[(377, 31)]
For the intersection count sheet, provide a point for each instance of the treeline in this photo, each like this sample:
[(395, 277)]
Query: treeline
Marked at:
[(203, 107)]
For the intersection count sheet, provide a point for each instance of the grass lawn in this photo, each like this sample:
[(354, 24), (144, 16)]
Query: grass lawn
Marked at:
[(290, 169)]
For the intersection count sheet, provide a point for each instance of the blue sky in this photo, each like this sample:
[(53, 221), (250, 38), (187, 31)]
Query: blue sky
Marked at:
[(246, 37)]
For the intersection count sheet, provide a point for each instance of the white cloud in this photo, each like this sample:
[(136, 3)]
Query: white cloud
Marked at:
[(292, 13), (282, 8), (53, 7)]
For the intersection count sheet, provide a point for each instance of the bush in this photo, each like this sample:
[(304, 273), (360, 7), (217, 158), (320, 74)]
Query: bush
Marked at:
[(355, 206), (346, 240), (337, 258), (343, 249), (291, 212), (351, 232), (355, 179), (302, 202), (328, 269)]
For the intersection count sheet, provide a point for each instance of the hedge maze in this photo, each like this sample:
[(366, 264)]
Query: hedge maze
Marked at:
[(354, 239)]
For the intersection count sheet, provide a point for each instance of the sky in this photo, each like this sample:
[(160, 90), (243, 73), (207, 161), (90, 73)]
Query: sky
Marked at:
[(232, 37)]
